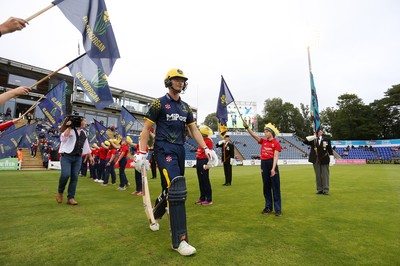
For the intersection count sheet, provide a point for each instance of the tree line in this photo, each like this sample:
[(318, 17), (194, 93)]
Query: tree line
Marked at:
[(351, 119)]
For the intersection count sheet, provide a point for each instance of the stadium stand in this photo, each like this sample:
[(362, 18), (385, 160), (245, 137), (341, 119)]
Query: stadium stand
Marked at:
[(293, 148), (369, 153)]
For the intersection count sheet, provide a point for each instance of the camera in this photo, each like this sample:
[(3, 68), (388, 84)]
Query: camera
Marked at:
[(76, 120)]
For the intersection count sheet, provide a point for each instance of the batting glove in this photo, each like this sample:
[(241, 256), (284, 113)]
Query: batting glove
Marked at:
[(140, 160), (212, 157)]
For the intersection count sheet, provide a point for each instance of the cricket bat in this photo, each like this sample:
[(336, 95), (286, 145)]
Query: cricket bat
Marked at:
[(148, 209)]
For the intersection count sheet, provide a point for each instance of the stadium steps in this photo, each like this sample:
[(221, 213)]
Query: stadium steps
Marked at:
[(30, 163), (238, 154), (293, 145)]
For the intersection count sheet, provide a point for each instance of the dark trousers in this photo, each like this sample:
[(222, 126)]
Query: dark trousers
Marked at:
[(153, 165), (138, 181), (271, 185), (228, 172), (102, 170), (170, 157), (123, 181), (110, 171), (93, 168), (84, 168), (204, 180), (33, 151)]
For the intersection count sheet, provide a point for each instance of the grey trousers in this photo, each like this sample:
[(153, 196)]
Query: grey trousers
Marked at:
[(322, 177)]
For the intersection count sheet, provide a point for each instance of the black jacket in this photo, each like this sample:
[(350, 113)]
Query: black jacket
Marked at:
[(228, 151), (323, 150)]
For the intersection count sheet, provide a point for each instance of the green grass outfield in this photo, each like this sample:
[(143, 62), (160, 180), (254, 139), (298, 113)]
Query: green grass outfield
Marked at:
[(357, 224)]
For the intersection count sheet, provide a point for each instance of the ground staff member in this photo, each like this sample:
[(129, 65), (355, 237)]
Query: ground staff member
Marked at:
[(74, 143), (269, 154), (171, 116)]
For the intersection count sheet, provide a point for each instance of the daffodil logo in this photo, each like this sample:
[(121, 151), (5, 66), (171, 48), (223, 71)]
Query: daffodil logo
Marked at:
[(223, 100), (99, 80), (102, 23), (53, 111)]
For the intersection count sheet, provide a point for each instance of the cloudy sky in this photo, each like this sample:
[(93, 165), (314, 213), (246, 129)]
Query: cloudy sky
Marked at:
[(259, 46)]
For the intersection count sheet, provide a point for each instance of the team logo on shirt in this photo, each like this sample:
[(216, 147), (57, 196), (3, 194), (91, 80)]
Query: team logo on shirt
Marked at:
[(167, 106), (168, 159)]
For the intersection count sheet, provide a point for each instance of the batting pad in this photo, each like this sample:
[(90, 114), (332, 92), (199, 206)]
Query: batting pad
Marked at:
[(177, 211), (159, 207)]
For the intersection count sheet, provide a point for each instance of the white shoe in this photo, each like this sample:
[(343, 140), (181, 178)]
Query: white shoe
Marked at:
[(96, 180), (121, 188), (185, 249), (100, 181)]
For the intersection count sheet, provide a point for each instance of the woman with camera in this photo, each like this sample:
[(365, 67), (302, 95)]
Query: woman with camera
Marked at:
[(74, 143)]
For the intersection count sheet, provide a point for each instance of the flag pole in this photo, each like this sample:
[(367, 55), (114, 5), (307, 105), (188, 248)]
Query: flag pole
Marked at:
[(237, 108), (314, 123), (309, 69), (309, 58), (40, 12), (46, 78)]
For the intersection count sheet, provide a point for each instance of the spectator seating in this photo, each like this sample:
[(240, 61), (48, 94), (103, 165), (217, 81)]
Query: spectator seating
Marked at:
[(292, 148), (376, 153)]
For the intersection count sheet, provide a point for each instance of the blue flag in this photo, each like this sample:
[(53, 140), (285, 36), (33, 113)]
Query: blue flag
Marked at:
[(10, 141), (57, 96), (51, 112), (314, 105), (91, 18), (126, 122), (225, 98), (92, 137), (53, 106), (101, 132), (92, 80), (29, 136)]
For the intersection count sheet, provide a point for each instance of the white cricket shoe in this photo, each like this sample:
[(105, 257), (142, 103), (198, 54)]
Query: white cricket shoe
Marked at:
[(185, 249)]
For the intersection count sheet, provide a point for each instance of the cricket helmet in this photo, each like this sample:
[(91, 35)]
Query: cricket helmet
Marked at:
[(174, 73)]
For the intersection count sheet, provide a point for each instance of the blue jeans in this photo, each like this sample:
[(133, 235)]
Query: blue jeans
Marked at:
[(70, 166)]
